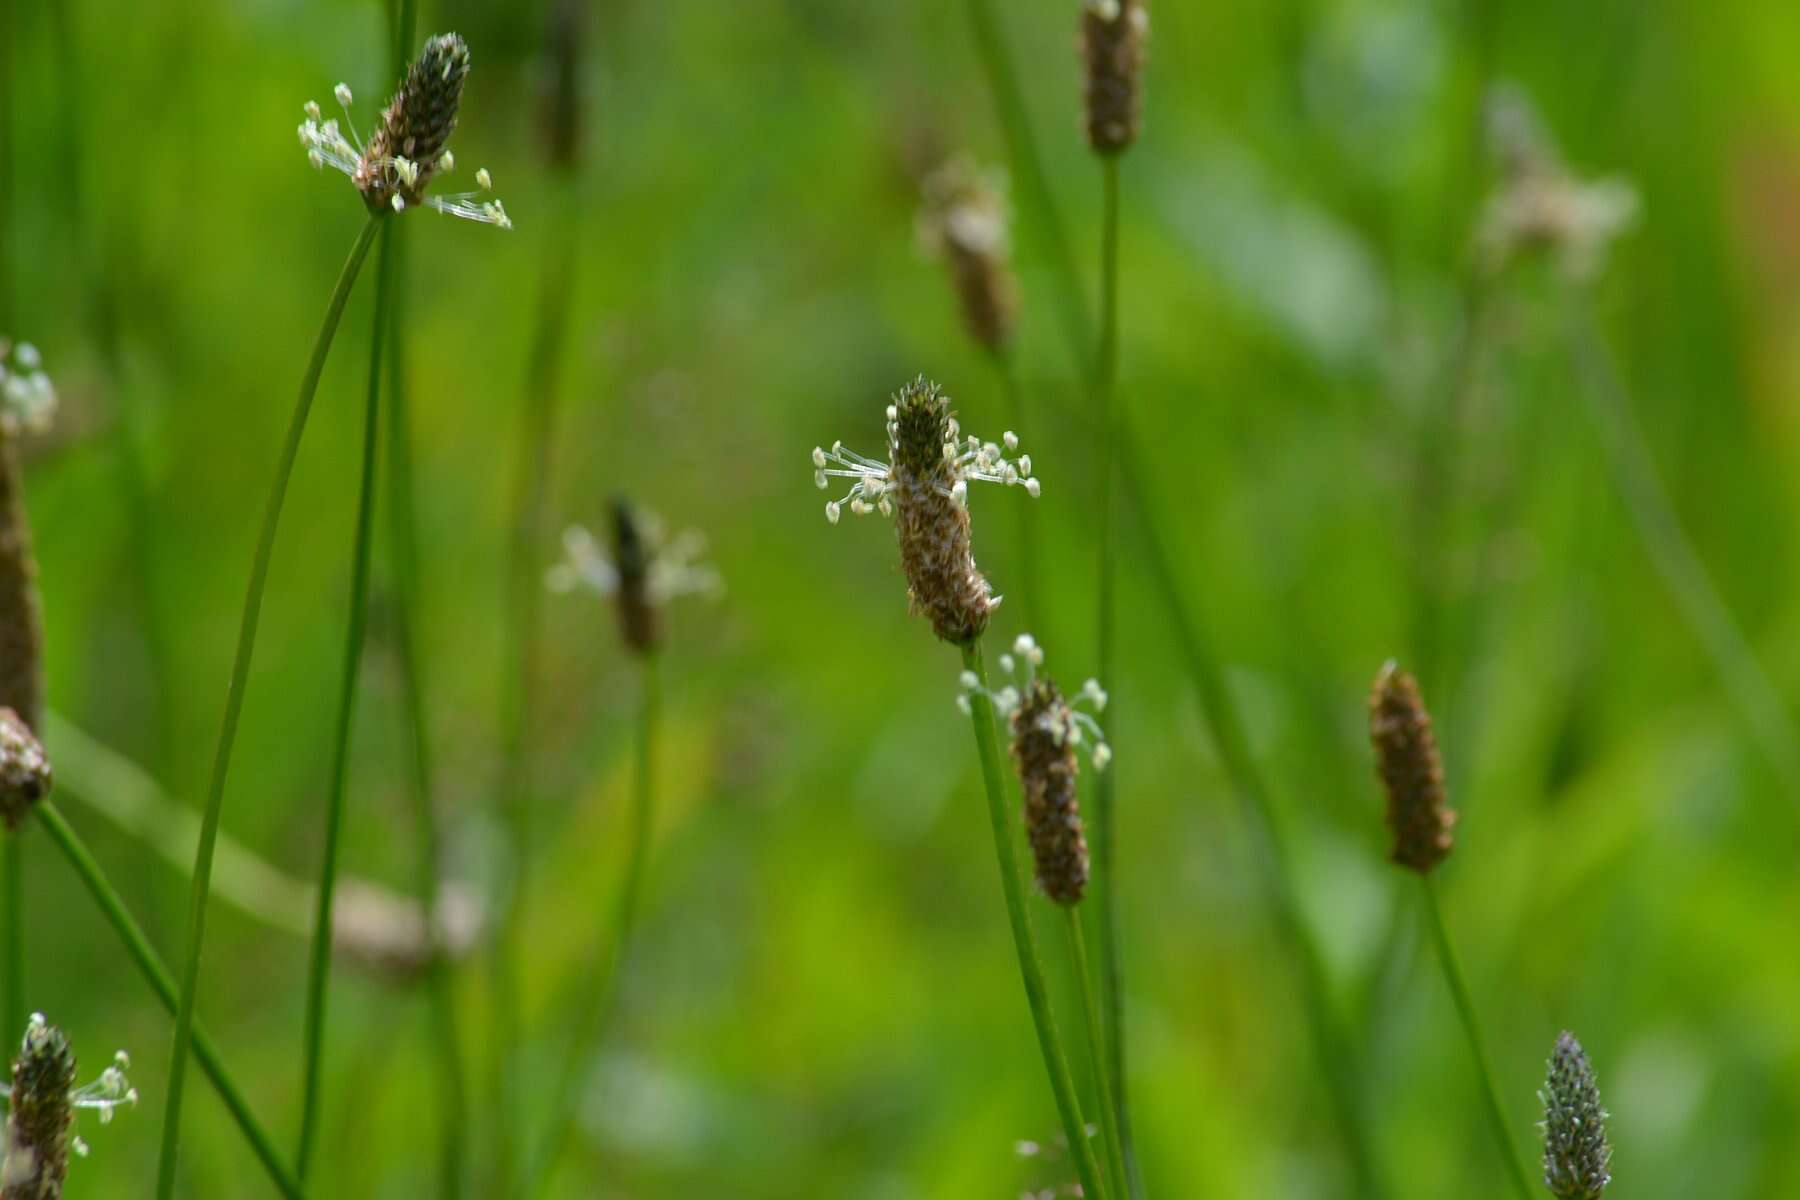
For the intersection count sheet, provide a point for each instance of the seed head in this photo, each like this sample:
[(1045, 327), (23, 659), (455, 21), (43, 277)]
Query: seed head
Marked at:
[(41, 1111), (645, 573), (1576, 1153), (1112, 47), (1406, 758), (964, 221), (410, 143), (25, 776), (1047, 730), (924, 485)]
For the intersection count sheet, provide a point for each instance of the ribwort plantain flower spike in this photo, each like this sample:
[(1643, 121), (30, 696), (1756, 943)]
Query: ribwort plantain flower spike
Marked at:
[(41, 1103), (1047, 731), (963, 220), (1539, 204), (25, 775), (645, 572), (1112, 49), (924, 486), (1577, 1157), (410, 143), (1412, 773)]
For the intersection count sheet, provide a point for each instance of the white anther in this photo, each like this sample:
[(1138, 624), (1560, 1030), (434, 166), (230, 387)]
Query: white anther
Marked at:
[(483, 180), (833, 510), (342, 92)]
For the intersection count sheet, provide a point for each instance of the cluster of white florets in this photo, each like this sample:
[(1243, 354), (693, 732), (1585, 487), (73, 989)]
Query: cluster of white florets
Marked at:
[(329, 144), (873, 481), (675, 567), (1066, 724)]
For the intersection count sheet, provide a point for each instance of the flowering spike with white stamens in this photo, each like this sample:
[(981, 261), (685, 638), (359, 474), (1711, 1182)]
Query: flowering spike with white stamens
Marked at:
[(924, 485), (406, 149)]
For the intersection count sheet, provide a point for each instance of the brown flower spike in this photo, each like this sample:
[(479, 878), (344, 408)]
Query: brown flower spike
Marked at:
[(924, 486), (1047, 730), (964, 222), (1406, 758), (1112, 50)]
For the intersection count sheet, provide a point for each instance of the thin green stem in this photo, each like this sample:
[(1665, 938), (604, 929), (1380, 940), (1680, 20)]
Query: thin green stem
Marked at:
[(12, 957), (1465, 1008), (524, 595), (1031, 968), (318, 976), (156, 974), (1105, 823), (1674, 558), (1090, 1010), (234, 703), (446, 1041), (597, 1009)]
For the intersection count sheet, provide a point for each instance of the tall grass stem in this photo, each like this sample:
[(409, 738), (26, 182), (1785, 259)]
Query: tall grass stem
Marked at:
[(318, 977), (1465, 1009), (596, 1010), (1031, 968), (234, 702), (1112, 985), (157, 975), (1090, 1011)]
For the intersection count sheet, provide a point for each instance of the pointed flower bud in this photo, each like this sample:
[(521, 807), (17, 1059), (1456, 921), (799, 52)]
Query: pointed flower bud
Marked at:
[(1112, 47), (1047, 730), (924, 485), (25, 776), (1576, 1154), (964, 221), (1406, 758), (409, 145), (41, 1107)]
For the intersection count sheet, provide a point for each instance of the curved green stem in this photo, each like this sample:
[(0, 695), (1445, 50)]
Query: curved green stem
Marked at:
[(1674, 558), (1109, 1124), (1031, 969), (319, 968), (598, 1009), (150, 965), (234, 703), (1465, 1008)]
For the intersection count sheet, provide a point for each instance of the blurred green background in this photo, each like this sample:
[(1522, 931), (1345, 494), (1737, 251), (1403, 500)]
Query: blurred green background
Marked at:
[(824, 1000)]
